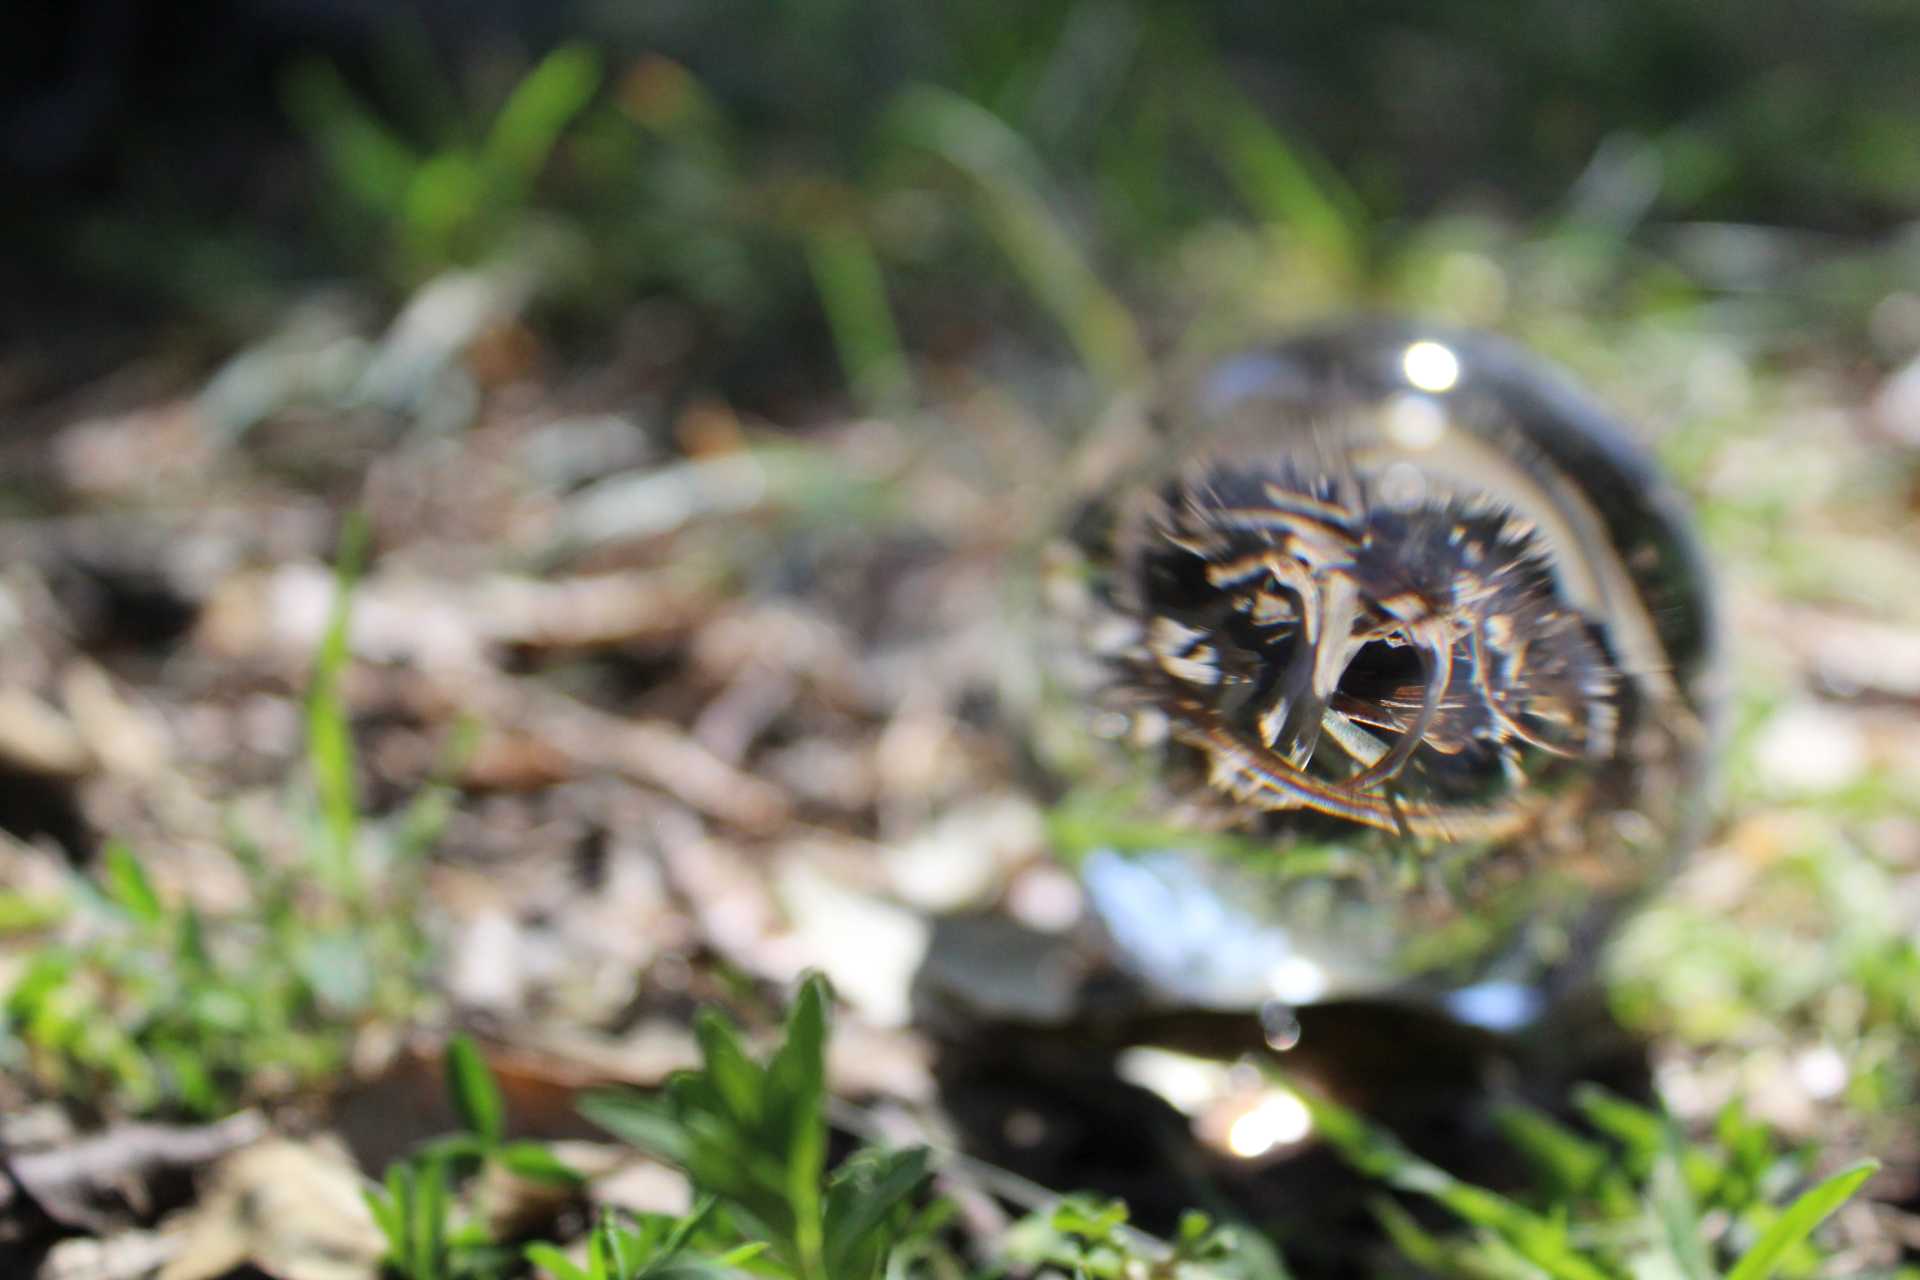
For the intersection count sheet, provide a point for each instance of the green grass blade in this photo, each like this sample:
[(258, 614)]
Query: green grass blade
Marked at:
[(1642, 1132), (1568, 1162), (543, 104), (475, 1094), (853, 292), (1280, 182), (1007, 182), (1801, 1218), (683, 1231), (553, 1262), (447, 208), (806, 1157), (739, 1084), (403, 1192), (366, 159), (536, 1162), (190, 942), (1379, 1154), (642, 1121), (1415, 1243), (330, 754), (129, 887), (387, 1216), (896, 1176), (435, 1207), (797, 1072), (1671, 1202), (739, 1257)]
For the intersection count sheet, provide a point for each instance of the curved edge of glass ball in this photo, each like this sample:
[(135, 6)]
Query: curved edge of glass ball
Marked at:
[(1531, 411), (1648, 520)]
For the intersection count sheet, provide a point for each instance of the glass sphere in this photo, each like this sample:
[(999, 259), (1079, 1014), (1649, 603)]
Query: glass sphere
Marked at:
[(1407, 649)]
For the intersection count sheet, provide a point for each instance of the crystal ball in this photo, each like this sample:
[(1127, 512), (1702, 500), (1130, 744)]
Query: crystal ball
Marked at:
[(1405, 652)]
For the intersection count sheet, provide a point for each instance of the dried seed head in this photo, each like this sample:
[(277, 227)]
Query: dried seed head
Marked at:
[(1410, 584), (1405, 661), (1421, 620)]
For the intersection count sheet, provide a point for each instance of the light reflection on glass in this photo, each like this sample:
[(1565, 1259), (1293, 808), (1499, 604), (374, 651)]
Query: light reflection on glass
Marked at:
[(1172, 927), (1233, 1109), (1187, 1084), (1430, 366), (1415, 423), (1496, 1006), (1277, 1119), (1297, 980)]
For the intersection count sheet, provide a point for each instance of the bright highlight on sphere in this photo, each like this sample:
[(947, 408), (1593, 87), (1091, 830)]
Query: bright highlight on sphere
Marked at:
[(1430, 366)]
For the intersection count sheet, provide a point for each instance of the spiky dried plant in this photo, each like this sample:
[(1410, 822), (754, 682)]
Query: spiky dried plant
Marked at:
[(1412, 593)]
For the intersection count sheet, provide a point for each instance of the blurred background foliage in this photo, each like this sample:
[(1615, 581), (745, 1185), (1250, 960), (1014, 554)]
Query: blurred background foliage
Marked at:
[(861, 180)]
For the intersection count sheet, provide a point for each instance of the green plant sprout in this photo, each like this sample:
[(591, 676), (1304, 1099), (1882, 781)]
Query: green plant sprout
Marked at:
[(461, 199), (755, 1135), (414, 1207), (159, 1009), (1634, 1201), (1627, 1199)]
